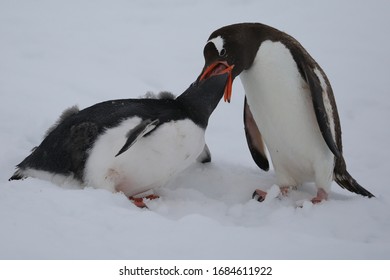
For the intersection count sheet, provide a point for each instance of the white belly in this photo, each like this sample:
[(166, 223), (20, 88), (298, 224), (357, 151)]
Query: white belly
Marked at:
[(151, 162), (281, 105)]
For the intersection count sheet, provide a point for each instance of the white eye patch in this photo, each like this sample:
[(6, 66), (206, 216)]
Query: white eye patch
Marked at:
[(218, 43)]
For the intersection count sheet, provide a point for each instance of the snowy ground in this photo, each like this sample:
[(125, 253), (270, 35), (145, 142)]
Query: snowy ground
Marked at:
[(54, 54)]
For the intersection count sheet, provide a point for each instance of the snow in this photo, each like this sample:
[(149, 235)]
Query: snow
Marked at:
[(55, 54)]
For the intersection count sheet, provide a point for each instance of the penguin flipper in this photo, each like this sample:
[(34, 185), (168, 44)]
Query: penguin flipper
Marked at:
[(329, 123), (254, 139), (320, 89), (205, 156), (136, 133)]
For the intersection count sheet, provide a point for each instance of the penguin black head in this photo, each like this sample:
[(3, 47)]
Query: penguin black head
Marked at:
[(233, 47), (201, 98)]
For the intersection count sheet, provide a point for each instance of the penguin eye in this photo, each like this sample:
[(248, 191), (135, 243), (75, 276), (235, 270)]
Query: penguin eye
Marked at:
[(222, 52)]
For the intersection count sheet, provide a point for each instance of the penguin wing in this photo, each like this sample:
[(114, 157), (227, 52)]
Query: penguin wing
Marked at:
[(323, 103), (254, 139), (136, 133)]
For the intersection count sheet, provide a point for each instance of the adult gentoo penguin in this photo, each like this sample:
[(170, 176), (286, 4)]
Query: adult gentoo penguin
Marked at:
[(128, 145), (289, 106)]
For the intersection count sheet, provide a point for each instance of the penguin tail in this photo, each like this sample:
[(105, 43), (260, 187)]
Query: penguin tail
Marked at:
[(18, 175), (346, 181)]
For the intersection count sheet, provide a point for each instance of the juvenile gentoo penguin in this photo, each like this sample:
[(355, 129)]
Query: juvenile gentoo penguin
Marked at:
[(128, 145), (289, 106)]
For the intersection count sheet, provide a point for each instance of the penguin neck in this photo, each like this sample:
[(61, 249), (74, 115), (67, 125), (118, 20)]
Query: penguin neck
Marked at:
[(199, 105)]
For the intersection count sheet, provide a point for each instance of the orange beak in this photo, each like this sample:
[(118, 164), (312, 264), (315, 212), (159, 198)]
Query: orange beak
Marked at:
[(217, 68)]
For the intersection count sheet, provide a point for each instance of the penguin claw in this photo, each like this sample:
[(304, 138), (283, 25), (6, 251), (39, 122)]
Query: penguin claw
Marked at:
[(259, 195), (139, 201)]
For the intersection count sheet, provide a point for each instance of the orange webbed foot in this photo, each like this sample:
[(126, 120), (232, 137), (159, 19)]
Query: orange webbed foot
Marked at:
[(321, 196), (139, 201), (259, 195)]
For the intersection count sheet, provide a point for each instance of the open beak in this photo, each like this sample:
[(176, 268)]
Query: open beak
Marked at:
[(217, 68)]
